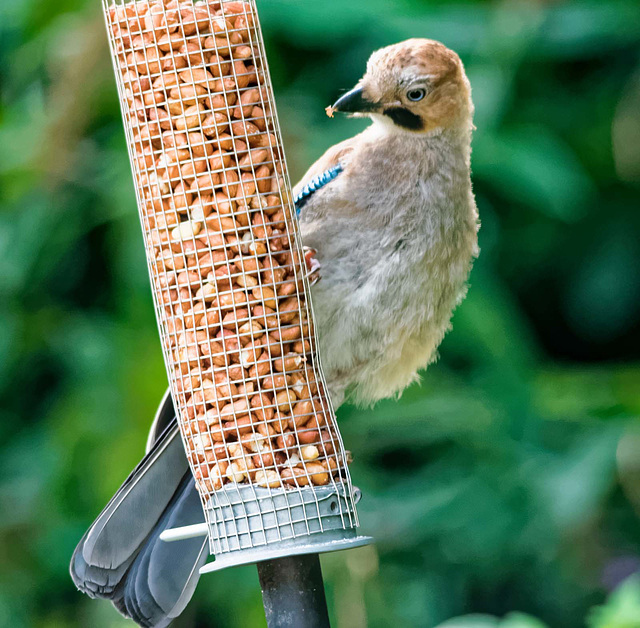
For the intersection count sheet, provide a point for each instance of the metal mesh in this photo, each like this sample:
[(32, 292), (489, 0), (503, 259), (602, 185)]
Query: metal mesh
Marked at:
[(225, 260)]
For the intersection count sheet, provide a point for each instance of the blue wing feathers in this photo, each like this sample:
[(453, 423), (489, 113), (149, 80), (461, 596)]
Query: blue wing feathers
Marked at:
[(314, 185)]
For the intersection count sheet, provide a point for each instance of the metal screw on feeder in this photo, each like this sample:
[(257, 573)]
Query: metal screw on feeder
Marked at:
[(230, 289)]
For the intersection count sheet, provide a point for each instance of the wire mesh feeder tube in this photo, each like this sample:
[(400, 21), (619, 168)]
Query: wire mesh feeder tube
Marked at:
[(229, 280)]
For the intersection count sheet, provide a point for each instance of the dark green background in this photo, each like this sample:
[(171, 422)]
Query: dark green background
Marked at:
[(510, 479)]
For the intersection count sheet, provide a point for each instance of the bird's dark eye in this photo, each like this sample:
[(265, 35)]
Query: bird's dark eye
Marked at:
[(416, 94)]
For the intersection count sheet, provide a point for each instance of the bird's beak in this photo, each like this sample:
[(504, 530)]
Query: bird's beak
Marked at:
[(354, 101)]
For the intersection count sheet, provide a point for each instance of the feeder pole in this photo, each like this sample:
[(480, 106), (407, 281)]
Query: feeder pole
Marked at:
[(293, 592)]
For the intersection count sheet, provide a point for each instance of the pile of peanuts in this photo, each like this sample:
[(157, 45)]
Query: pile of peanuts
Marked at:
[(228, 279)]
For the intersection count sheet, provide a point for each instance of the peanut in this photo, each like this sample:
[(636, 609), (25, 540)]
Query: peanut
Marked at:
[(317, 473), (310, 452), (268, 479), (186, 230), (295, 476)]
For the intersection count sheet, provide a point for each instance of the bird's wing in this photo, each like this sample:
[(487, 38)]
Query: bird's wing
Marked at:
[(121, 557), (133, 511), (164, 416), (323, 171), (164, 576)]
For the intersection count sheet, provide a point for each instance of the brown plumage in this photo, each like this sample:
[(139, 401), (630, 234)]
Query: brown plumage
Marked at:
[(396, 230)]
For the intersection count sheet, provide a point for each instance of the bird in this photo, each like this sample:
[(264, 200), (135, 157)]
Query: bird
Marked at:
[(389, 223), (392, 216)]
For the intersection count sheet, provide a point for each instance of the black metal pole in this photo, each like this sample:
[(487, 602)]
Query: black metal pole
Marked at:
[(293, 592)]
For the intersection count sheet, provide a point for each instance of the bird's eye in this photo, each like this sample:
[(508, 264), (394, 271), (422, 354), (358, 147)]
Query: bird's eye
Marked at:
[(416, 94)]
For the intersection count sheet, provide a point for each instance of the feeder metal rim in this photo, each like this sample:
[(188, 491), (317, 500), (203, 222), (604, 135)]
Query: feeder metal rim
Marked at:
[(250, 557)]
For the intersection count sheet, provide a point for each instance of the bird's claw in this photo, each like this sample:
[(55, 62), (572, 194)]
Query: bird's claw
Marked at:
[(312, 264)]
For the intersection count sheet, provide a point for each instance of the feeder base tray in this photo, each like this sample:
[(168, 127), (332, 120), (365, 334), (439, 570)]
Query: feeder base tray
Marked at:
[(249, 524), (248, 557)]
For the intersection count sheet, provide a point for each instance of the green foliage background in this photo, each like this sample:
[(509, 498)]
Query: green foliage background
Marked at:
[(507, 485)]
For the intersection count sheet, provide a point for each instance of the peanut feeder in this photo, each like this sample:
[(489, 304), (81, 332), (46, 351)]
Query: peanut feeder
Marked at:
[(229, 280)]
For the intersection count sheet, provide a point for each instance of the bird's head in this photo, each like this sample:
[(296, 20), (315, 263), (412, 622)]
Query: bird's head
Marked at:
[(416, 86)]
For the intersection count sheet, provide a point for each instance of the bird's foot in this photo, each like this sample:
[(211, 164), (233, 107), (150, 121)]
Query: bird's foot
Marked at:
[(312, 264)]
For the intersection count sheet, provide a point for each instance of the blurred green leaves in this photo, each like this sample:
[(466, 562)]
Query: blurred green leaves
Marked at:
[(513, 620), (622, 609)]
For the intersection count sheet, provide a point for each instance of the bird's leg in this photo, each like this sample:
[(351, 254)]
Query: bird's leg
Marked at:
[(312, 264)]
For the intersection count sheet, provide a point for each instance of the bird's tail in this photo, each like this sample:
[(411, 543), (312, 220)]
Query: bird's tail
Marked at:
[(121, 557)]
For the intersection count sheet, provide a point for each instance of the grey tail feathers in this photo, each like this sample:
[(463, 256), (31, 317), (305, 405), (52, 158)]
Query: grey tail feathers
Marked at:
[(121, 557)]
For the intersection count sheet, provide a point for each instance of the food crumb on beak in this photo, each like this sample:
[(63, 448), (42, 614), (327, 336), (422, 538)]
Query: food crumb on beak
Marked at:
[(330, 111)]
